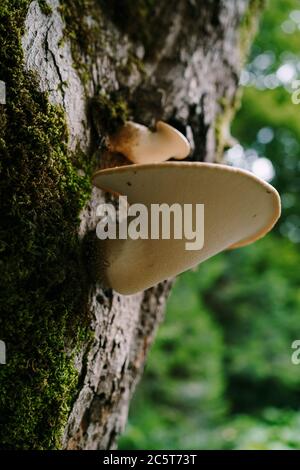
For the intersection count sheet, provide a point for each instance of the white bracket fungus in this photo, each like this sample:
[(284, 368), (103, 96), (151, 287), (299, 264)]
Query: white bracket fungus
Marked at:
[(239, 207)]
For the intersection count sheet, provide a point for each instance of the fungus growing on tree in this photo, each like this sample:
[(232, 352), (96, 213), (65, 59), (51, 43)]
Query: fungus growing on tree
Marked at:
[(239, 208)]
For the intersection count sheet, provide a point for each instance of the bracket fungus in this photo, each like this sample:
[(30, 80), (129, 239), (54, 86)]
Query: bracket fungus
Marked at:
[(141, 145), (239, 208)]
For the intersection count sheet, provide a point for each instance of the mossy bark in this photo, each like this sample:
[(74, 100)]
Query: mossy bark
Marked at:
[(74, 70)]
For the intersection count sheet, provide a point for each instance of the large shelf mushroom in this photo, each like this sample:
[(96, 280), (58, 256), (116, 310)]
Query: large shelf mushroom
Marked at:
[(239, 209)]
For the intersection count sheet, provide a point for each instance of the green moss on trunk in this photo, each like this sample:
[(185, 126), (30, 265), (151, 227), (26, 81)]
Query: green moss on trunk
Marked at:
[(248, 26), (45, 8), (228, 108), (43, 287), (83, 29)]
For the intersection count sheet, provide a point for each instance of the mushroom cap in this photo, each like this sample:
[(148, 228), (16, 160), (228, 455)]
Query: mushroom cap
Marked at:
[(179, 145), (239, 208), (140, 145)]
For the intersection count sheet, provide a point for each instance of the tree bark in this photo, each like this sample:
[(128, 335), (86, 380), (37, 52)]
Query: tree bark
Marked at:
[(182, 66)]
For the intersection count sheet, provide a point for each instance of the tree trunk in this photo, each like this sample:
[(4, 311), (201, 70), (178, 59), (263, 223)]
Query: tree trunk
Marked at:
[(74, 70)]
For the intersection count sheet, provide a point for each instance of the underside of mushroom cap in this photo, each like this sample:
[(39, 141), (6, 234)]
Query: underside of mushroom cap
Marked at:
[(239, 208)]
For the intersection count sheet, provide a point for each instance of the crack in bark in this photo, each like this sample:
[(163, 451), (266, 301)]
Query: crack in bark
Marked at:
[(53, 56)]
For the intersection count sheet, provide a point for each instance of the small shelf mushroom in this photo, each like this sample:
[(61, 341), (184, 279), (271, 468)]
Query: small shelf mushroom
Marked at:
[(141, 145), (239, 208)]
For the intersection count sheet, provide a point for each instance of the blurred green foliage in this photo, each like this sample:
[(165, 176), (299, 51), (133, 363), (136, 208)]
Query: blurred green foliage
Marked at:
[(269, 83), (220, 373)]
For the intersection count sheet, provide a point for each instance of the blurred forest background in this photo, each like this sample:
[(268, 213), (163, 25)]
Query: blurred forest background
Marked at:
[(220, 375)]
